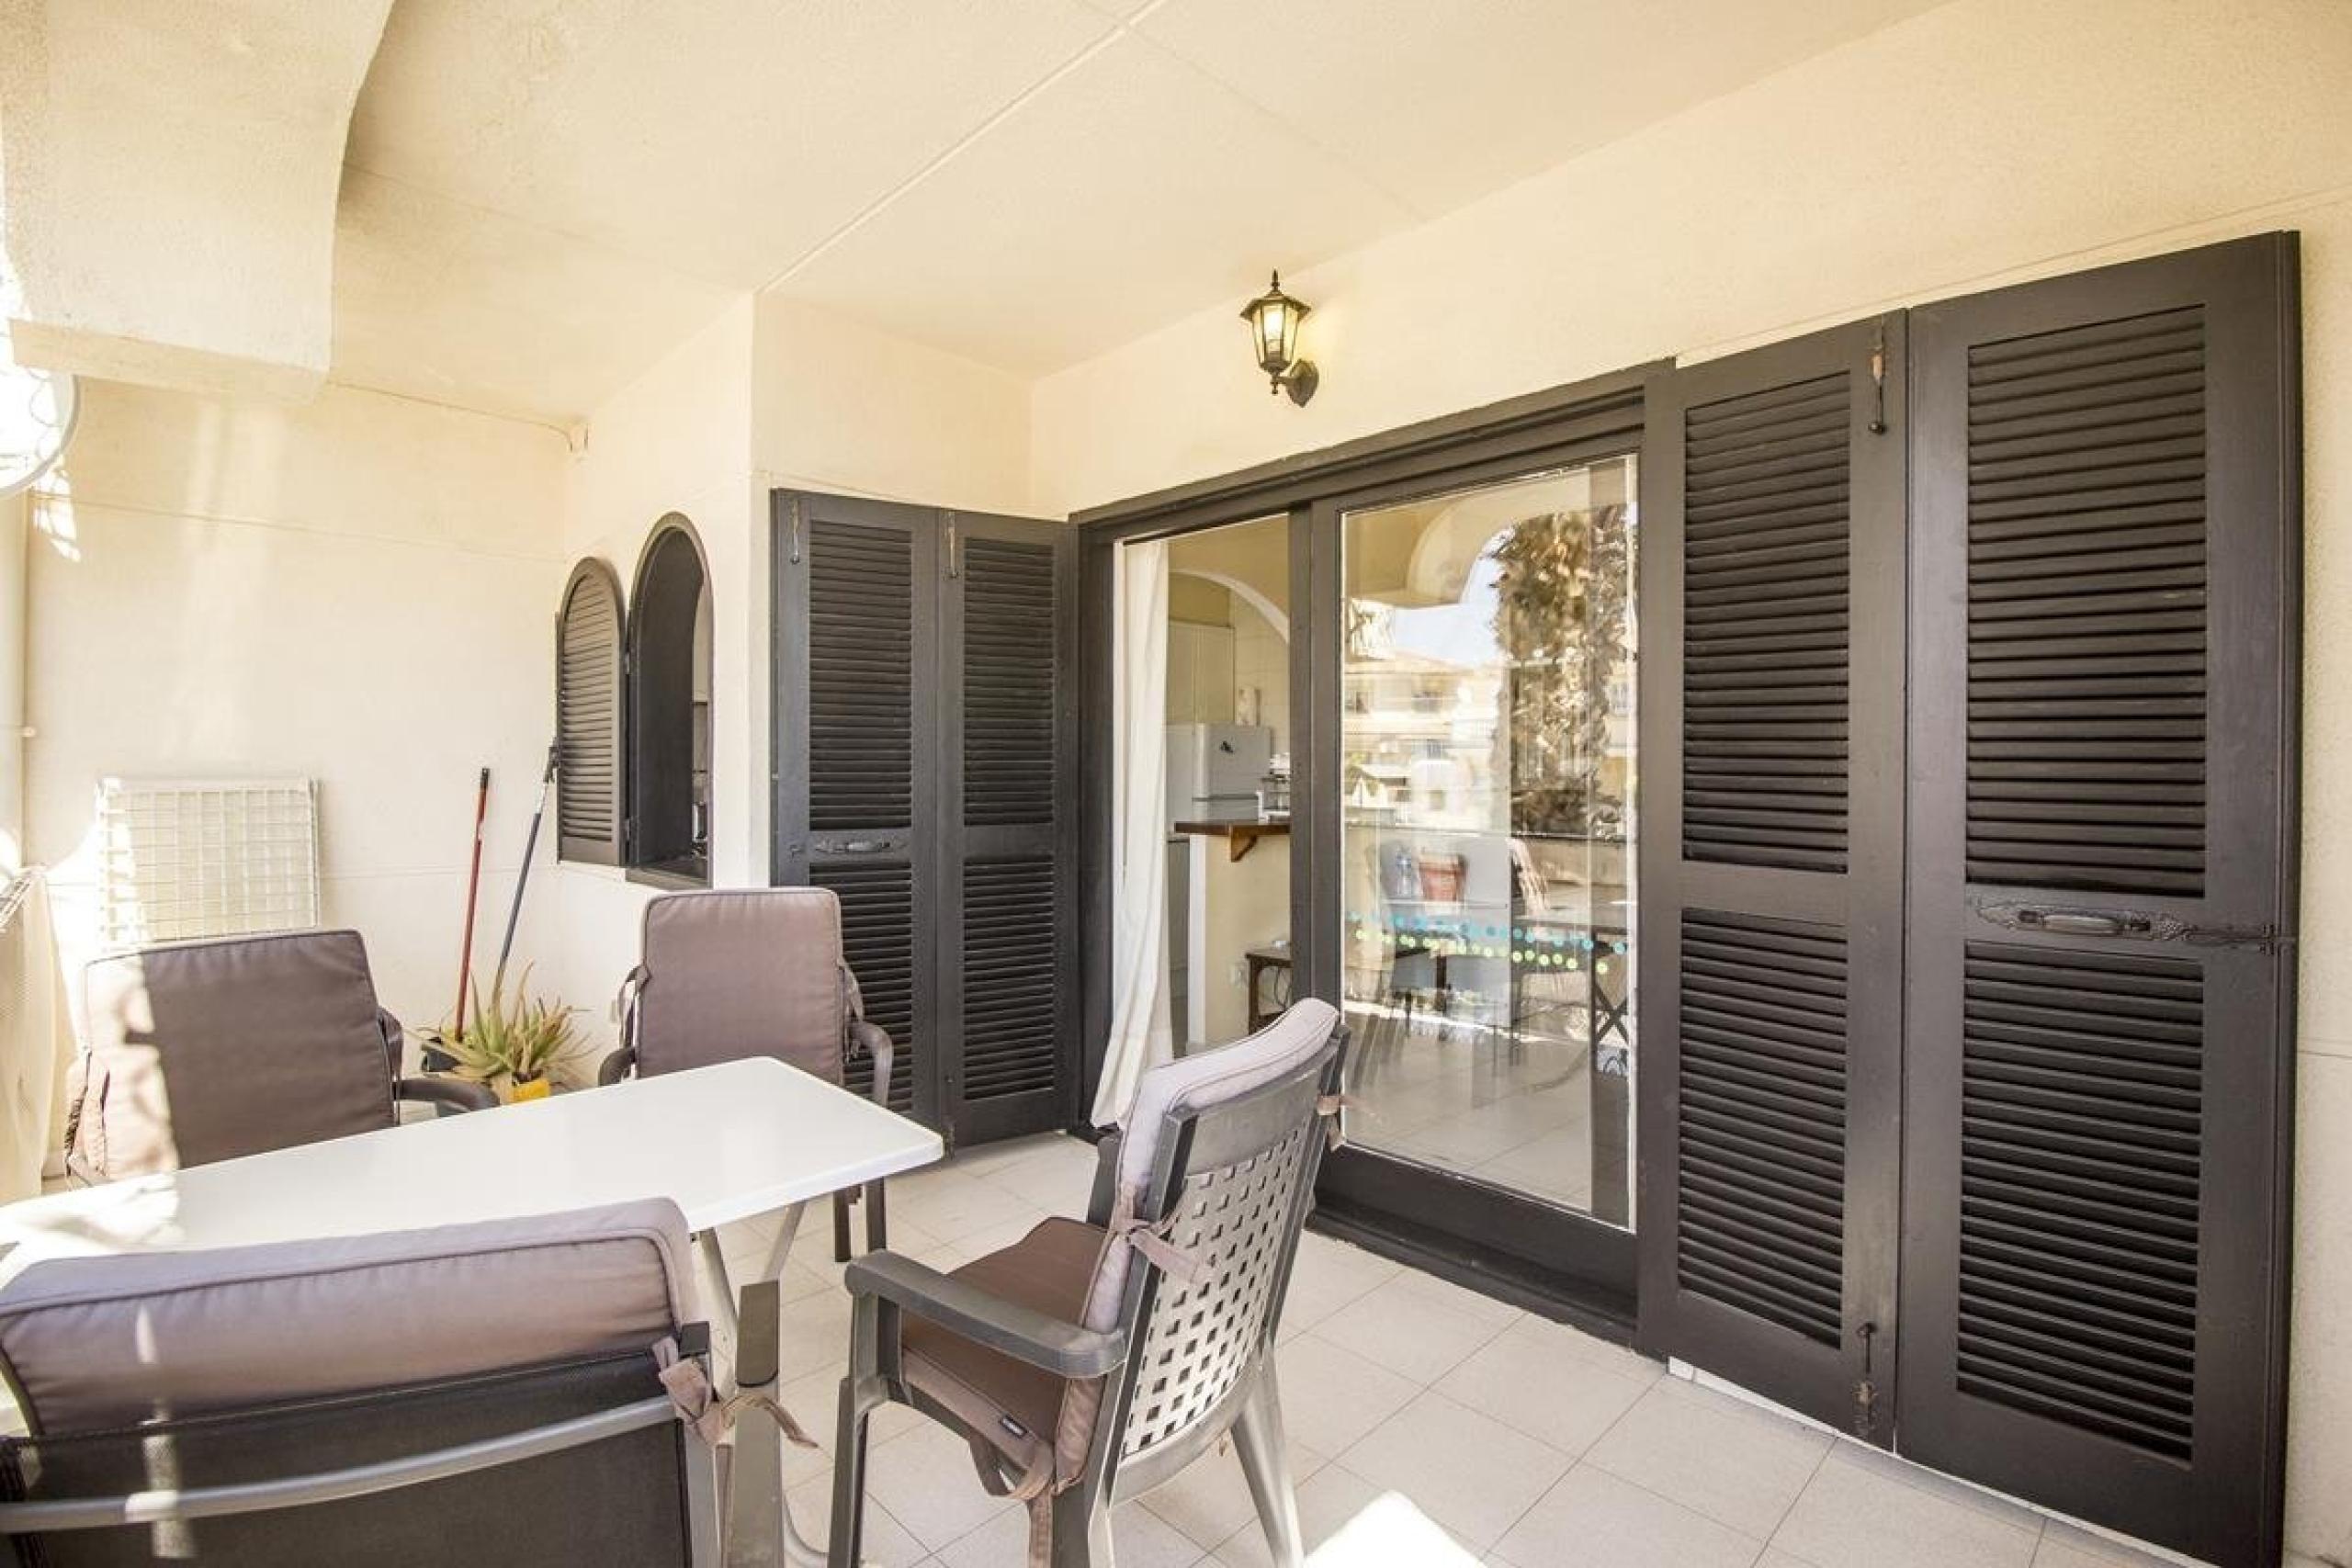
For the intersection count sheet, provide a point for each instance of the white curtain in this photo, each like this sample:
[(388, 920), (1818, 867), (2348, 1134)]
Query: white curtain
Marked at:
[(36, 1040), (1140, 1001)]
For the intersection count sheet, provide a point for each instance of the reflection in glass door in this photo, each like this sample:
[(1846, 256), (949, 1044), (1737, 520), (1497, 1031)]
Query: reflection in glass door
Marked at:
[(1486, 781)]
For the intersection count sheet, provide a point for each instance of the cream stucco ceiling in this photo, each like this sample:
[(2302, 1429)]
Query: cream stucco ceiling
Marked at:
[(541, 196)]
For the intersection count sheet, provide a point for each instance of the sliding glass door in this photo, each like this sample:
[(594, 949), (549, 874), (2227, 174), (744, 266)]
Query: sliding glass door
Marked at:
[(1395, 697), (1485, 779)]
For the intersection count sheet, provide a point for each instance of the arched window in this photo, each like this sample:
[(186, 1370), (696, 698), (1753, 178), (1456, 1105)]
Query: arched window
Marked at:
[(669, 695), (588, 718)]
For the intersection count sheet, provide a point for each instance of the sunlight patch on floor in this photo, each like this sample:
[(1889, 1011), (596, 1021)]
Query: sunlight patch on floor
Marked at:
[(1390, 1532)]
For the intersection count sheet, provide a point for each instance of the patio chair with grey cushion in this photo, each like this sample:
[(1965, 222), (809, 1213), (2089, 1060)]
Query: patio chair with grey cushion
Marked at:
[(1088, 1363), (753, 972), (517, 1393), (205, 1051)]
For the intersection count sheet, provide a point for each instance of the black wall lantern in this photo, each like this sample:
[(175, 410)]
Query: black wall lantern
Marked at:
[(1273, 319)]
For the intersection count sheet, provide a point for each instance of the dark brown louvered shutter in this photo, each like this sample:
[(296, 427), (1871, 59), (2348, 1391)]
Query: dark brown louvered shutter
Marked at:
[(1770, 946), (2104, 583), (1008, 981), (589, 723), (855, 732)]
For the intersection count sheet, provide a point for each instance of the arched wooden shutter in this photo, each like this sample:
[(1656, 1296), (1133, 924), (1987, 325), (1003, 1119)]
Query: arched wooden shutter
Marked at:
[(589, 721)]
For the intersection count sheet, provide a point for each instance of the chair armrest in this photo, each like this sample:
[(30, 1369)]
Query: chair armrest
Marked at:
[(1024, 1333), (455, 1093), (1106, 1178), (873, 1040), (615, 1067)]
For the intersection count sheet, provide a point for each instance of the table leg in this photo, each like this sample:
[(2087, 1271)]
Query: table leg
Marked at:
[(760, 1527)]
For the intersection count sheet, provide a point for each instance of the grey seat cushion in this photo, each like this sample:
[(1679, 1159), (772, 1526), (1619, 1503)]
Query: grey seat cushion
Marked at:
[(96, 1342), (749, 972), (212, 1050)]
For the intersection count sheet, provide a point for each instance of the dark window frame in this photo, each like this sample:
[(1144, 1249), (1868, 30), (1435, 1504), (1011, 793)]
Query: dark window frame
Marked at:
[(660, 769)]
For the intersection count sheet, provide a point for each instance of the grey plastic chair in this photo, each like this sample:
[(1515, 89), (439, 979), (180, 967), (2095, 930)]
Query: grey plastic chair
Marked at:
[(1088, 1363), (753, 972), (205, 1051), (528, 1394)]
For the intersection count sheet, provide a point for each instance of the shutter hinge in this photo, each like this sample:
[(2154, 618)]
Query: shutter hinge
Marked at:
[(795, 542), (1878, 381), (1866, 1391), (954, 558)]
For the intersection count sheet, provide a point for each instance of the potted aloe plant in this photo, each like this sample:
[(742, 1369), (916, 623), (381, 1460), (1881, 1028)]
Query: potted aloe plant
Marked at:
[(512, 1043)]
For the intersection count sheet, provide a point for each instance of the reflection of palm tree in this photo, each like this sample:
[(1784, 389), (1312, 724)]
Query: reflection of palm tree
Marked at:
[(1560, 620)]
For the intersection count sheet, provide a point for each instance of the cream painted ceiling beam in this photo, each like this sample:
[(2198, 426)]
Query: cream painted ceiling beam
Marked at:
[(169, 182)]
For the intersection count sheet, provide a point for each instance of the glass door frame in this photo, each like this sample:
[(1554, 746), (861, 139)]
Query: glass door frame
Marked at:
[(1551, 1260), (1517, 1244)]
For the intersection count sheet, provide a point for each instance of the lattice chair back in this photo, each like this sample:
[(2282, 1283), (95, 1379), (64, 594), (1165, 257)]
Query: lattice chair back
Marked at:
[(1217, 1175)]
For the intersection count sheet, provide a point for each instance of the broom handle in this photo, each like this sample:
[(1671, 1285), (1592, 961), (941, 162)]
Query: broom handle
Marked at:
[(523, 878), (473, 885)]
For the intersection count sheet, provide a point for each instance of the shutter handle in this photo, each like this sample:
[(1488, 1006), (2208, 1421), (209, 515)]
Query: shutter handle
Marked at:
[(954, 555), (796, 530), (2082, 922)]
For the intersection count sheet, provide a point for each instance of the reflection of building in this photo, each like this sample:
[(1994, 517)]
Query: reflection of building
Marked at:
[(1421, 739)]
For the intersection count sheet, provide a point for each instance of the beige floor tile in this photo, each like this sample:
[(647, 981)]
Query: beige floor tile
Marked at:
[(1050, 1182), (955, 1207), (1333, 1397), (1387, 1531), (1141, 1538), (1327, 1500), (886, 1542), (1593, 1519), (812, 1336), (1878, 1461), (1327, 1276), (1535, 1377), (2065, 1546), (1418, 1326), (1738, 1465), (926, 1481), (1211, 1500), (1853, 1515), (1468, 1471)]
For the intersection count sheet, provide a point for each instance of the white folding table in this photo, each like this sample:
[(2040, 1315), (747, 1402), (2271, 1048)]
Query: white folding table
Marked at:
[(725, 1142)]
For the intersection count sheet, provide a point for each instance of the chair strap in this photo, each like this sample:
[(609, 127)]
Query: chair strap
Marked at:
[(698, 1405), (1034, 1490), (1150, 1238), (1328, 1107)]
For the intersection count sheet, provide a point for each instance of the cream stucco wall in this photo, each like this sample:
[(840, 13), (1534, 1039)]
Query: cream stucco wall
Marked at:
[(769, 394), (1983, 143), (354, 592)]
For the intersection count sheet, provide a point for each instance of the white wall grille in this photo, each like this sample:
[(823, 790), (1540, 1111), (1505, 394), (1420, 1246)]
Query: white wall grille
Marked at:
[(181, 860)]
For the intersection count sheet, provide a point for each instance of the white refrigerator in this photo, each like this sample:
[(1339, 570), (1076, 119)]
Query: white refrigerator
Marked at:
[(1216, 771)]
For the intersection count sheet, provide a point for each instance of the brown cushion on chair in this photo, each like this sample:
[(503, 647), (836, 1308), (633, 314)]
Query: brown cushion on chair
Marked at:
[(1049, 1270), (210, 1050), (748, 972)]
